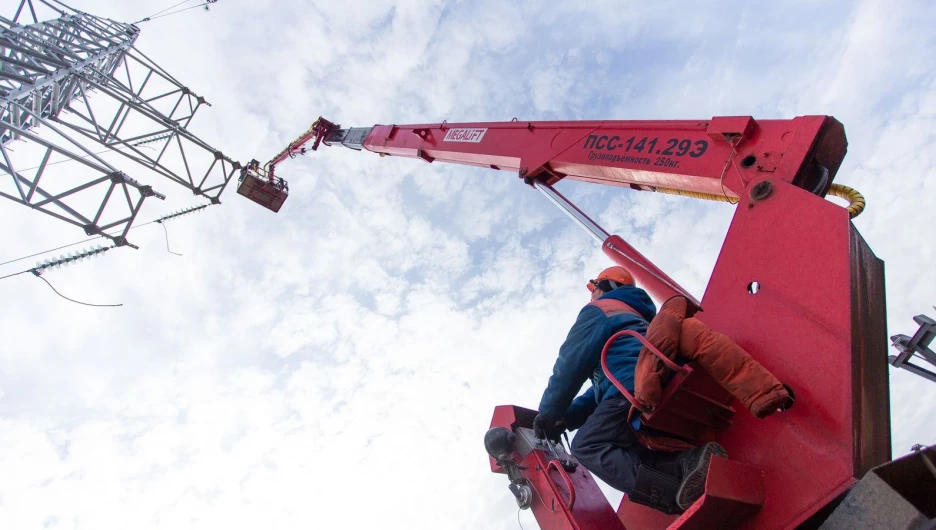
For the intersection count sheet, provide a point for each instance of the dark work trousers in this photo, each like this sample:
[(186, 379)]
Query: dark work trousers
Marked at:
[(606, 446)]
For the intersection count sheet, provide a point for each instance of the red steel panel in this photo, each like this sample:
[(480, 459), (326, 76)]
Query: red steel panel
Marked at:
[(815, 321), (672, 154), (816, 282), (639, 517), (645, 272), (795, 285), (722, 126), (797, 247), (733, 493), (262, 192), (590, 510), (869, 326)]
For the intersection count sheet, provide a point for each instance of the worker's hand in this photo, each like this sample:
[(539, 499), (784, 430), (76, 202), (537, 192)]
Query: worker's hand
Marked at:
[(548, 428)]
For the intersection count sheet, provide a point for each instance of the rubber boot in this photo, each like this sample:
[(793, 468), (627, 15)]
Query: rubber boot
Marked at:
[(694, 465), (655, 489)]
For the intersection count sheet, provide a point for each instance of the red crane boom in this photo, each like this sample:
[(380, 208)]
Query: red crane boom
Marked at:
[(795, 284), (715, 157)]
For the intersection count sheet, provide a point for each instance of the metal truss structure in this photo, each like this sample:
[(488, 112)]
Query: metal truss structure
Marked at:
[(75, 82), (916, 346)]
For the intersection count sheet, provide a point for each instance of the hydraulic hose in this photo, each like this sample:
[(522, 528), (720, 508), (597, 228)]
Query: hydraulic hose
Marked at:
[(856, 201), (695, 195)]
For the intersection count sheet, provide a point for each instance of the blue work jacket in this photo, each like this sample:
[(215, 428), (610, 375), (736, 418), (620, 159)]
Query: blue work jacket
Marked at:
[(580, 357)]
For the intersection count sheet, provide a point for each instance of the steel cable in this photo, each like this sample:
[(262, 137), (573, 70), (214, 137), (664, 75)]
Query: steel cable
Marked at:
[(75, 301), (157, 15), (144, 19), (166, 230)]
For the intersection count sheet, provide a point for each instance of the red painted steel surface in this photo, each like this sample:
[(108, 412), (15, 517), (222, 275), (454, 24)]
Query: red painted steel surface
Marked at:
[(720, 156), (683, 155), (801, 324), (643, 340), (555, 506), (869, 327), (569, 503), (733, 493), (800, 249), (693, 405), (696, 156), (649, 276), (797, 247), (262, 192), (817, 282), (817, 321), (315, 134), (639, 517)]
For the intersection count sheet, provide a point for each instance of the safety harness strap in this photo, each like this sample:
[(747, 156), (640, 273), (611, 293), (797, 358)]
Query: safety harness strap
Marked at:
[(611, 307)]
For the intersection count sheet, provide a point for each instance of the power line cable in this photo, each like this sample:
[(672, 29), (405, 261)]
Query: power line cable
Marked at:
[(144, 19), (166, 230), (160, 220), (154, 17), (179, 11), (65, 261), (14, 274), (69, 299), (85, 254)]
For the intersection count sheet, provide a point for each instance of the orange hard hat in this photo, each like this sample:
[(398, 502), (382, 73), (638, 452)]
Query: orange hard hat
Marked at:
[(616, 274)]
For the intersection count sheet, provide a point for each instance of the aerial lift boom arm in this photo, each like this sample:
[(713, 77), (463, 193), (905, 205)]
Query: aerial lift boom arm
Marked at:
[(794, 284), (713, 159)]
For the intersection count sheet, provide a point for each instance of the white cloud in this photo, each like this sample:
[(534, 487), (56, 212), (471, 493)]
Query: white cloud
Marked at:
[(337, 364)]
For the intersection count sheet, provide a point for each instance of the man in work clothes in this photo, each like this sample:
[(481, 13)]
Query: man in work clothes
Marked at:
[(605, 444), (653, 468)]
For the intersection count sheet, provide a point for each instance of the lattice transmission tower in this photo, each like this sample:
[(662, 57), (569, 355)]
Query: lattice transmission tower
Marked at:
[(72, 83)]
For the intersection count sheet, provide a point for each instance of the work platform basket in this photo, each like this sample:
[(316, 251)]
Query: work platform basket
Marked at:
[(256, 186)]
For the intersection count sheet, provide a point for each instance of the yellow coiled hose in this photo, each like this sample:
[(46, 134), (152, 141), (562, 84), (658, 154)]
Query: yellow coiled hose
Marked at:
[(856, 201)]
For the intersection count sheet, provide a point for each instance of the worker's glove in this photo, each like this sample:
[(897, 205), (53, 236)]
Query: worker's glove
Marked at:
[(548, 428)]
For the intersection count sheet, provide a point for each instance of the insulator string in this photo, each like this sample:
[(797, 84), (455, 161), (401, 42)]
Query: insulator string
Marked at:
[(159, 220), (67, 259)]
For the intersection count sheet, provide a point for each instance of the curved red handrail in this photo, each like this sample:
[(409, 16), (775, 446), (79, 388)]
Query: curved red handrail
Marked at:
[(555, 464), (604, 363)]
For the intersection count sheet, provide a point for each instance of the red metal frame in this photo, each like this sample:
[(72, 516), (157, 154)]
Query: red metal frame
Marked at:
[(717, 157), (587, 509), (315, 134), (553, 464), (693, 405), (645, 272), (598, 151), (617, 384), (817, 321)]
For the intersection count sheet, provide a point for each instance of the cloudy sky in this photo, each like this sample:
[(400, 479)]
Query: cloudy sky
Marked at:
[(336, 364)]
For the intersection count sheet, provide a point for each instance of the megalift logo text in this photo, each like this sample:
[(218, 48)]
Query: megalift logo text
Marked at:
[(464, 135)]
